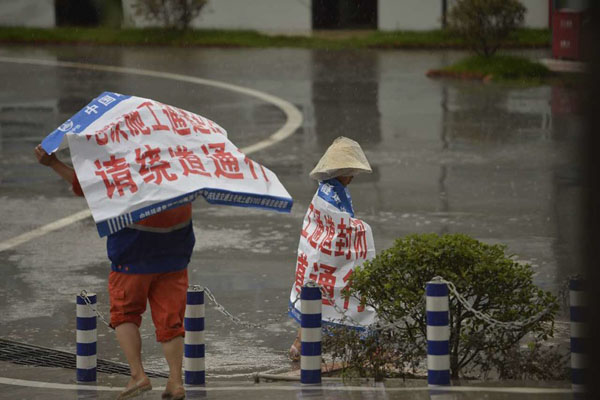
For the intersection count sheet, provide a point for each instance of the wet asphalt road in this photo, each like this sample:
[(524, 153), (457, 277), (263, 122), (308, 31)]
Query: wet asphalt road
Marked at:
[(498, 162)]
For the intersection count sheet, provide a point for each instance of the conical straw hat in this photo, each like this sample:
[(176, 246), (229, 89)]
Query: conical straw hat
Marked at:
[(343, 158)]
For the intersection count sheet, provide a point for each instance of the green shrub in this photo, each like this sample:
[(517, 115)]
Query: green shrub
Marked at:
[(394, 284), (485, 24)]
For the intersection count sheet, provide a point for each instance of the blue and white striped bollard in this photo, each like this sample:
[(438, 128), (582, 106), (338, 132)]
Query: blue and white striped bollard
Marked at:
[(310, 323), (193, 355), (438, 334), (87, 337), (579, 333)]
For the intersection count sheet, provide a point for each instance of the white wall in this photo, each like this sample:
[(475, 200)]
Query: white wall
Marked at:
[(537, 13), (418, 15), (31, 13), (274, 16), (422, 15)]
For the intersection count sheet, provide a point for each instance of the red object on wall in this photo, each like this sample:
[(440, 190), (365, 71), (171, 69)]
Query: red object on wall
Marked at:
[(568, 35)]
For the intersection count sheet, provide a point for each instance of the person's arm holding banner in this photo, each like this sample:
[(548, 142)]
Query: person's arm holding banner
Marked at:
[(50, 160)]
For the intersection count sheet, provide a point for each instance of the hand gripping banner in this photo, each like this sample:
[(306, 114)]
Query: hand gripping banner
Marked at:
[(136, 157), (332, 244)]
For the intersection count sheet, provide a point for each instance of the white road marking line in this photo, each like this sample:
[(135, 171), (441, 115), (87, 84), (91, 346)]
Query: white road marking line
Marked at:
[(293, 121), (295, 387), (53, 226)]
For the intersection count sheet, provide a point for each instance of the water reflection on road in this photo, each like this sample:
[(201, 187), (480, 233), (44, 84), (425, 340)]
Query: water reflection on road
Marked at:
[(498, 162)]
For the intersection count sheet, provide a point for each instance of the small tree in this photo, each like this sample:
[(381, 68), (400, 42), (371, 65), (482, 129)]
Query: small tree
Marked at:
[(394, 284), (175, 14), (485, 24)]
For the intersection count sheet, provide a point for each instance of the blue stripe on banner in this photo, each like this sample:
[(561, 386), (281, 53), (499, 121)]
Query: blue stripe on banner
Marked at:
[(579, 314), (310, 293), (82, 302), (310, 320), (86, 349), (195, 297), (310, 348), (193, 350), (436, 289), (193, 324), (84, 118), (577, 284), (437, 318), (195, 377), (86, 324), (438, 377), (213, 196), (579, 345), (578, 376), (310, 376), (86, 375), (438, 347)]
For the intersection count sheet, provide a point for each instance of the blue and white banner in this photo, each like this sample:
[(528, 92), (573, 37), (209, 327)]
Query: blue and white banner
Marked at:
[(332, 244), (135, 157)]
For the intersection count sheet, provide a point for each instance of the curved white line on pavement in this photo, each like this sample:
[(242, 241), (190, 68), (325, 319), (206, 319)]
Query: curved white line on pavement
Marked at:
[(295, 387), (293, 121), (293, 115), (53, 226)]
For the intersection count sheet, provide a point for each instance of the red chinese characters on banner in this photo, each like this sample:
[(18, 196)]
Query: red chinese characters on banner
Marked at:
[(300, 271), (250, 165), (190, 162), (346, 239), (311, 210), (153, 168), (202, 125), (314, 239), (325, 246), (226, 164), (360, 238), (134, 123), (323, 274), (178, 123), (116, 175), (157, 125), (348, 281), (116, 133)]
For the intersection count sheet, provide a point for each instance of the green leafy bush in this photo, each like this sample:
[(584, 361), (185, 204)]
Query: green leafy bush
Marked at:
[(492, 282), (485, 24)]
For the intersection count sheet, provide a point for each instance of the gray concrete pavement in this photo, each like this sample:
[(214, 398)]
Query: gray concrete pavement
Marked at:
[(497, 162)]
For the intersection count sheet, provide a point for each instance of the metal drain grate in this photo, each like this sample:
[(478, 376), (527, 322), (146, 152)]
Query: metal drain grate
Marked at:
[(27, 354)]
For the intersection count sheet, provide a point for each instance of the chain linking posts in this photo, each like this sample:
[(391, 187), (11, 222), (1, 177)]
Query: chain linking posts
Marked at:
[(87, 337), (579, 333), (310, 323), (193, 360), (438, 333)]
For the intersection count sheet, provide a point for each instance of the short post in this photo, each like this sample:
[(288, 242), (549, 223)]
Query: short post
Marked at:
[(87, 337), (579, 333), (310, 323), (438, 334), (193, 360)]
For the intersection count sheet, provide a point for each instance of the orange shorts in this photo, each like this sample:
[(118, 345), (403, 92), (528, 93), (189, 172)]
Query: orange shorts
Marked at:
[(166, 292)]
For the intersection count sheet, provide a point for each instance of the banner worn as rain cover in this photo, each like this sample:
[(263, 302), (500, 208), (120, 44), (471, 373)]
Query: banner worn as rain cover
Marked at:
[(136, 157), (332, 244)]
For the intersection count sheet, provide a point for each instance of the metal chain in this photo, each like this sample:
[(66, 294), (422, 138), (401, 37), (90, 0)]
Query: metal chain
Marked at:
[(226, 313), (86, 300), (486, 318)]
